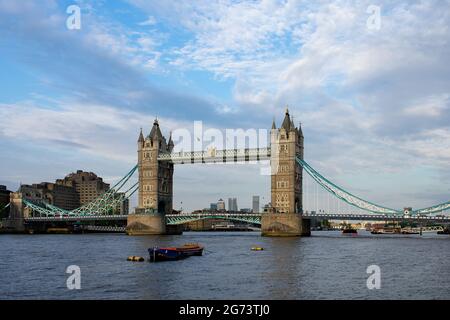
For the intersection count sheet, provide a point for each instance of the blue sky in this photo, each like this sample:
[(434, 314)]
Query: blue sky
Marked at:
[(374, 104)]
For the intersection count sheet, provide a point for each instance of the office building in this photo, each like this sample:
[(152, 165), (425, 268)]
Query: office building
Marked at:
[(255, 204), (232, 205), (221, 205), (87, 184), (64, 197)]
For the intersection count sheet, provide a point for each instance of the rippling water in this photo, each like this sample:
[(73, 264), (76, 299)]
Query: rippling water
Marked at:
[(327, 265)]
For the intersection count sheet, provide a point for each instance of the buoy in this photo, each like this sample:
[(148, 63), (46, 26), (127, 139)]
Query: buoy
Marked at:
[(135, 258), (257, 248)]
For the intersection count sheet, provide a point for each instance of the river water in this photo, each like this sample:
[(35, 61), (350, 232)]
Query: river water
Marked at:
[(327, 265)]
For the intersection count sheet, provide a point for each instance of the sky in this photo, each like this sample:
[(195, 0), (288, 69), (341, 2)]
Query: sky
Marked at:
[(373, 100)]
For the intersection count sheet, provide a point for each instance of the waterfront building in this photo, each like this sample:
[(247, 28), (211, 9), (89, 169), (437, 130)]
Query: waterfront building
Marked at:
[(255, 204), (75, 190), (87, 184), (124, 208), (4, 195), (213, 206), (61, 196)]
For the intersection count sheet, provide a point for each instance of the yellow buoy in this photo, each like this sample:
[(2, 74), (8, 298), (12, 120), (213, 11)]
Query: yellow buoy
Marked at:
[(135, 258), (257, 248)]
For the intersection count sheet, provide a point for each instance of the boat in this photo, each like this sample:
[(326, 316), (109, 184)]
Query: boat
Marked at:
[(387, 230), (410, 231), (445, 231), (349, 231), (175, 253)]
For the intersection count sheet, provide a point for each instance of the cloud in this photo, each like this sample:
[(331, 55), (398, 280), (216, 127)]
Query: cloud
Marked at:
[(149, 22), (371, 102), (104, 63), (95, 130)]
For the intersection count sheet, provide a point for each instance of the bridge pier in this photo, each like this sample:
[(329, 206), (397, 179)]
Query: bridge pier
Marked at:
[(146, 224), (15, 221), (150, 224), (284, 225)]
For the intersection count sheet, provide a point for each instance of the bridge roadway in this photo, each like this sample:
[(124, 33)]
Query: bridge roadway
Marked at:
[(217, 156), (244, 217), (377, 217)]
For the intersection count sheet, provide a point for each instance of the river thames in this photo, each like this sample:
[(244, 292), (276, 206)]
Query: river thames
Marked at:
[(327, 265)]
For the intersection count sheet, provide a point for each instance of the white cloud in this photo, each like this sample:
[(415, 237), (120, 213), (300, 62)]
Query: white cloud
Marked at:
[(149, 22), (433, 106), (98, 130), (369, 100)]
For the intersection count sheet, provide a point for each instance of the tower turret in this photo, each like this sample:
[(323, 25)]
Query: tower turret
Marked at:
[(286, 125), (141, 140), (170, 144)]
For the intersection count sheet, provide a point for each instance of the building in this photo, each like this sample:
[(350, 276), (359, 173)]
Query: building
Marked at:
[(213, 206), (124, 207), (246, 210), (72, 192), (220, 205), (287, 174), (4, 195), (87, 184), (61, 196), (267, 208), (232, 205), (255, 204), (4, 200)]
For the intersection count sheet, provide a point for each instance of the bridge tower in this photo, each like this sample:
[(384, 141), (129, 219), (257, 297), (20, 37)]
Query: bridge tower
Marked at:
[(155, 195), (17, 212), (155, 177), (286, 182)]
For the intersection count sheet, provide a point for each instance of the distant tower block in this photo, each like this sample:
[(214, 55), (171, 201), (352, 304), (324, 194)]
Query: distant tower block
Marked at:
[(286, 182)]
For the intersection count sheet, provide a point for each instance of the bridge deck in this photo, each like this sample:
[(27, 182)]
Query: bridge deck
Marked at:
[(247, 217), (217, 156)]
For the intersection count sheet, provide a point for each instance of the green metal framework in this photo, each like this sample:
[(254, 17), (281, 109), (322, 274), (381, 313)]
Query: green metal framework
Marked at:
[(357, 202), (434, 209), (345, 195), (105, 204), (175, 219)]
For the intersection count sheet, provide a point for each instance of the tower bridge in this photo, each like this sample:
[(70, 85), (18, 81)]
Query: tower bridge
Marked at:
[(156, 161), (155, 168)]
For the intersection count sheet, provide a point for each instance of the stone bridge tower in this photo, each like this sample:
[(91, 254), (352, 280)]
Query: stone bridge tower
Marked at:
[(155, 177), (286, 182), (155, 196)]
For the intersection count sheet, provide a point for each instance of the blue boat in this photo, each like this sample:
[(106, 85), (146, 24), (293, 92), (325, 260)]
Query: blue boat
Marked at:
[(174, 253)]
